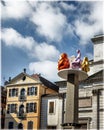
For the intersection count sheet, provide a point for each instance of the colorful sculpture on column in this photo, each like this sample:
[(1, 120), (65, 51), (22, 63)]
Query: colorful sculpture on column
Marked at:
[(85, 64), (76, 64), (63, 62)]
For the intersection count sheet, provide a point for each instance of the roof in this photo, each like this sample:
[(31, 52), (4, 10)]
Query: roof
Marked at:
[(39, 79), (96, 77), (45, 82), (48, 84), (20, 75)]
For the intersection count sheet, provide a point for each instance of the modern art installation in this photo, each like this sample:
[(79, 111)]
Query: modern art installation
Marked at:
[(73, 71)]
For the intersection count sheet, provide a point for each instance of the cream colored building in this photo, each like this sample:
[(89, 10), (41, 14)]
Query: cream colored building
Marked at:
[(23, 100)]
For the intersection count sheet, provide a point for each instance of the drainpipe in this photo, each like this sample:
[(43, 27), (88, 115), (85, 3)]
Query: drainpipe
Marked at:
[(95, 109)]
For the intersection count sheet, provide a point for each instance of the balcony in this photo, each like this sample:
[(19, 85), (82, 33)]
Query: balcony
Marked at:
[(21, 115), (22, 98)]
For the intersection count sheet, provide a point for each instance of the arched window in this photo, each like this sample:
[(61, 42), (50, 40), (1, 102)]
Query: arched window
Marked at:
[(21, 110), (20, 126), (22, 92), (30, 125)]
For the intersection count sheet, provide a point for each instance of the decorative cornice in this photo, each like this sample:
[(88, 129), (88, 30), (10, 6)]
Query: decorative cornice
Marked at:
[(99, 38)]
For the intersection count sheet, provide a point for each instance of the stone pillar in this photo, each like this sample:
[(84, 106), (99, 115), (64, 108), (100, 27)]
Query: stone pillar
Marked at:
[(71, 114)]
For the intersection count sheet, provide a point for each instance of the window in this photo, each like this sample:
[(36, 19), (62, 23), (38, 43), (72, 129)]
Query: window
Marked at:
[(12, 108), (32, 91), (13, 92), (51, 107), (10, 125), (22, 92), (31, 107), (30, 125), (21, 109), (20, 126)]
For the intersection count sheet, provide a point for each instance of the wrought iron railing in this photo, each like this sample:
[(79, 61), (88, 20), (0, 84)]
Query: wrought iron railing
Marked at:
[(22, 98), (21, 115)]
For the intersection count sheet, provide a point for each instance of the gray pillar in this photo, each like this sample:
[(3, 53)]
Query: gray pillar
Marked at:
[(71, 114)]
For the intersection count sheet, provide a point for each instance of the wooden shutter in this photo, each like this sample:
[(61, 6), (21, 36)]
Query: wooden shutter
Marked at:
[(28, 91), (8, 109), (15, 108), (35, 107), (10, 91), (35, 90), (27, 107)]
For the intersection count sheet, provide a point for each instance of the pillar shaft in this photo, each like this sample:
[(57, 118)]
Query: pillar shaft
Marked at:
[(71, 115)]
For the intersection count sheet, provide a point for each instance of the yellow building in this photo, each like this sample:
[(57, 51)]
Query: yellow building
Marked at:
[(24, 99)]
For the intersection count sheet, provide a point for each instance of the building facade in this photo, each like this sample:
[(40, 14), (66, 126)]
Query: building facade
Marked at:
[(24, 99), (3, 106), (91, 91), (51, 110)]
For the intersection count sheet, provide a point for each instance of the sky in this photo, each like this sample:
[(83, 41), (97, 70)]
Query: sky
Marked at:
[(35, 33)]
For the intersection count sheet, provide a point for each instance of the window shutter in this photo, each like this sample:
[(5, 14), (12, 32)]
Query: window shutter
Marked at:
[(27, 107), (10, 92), (15, 108), (28, 91), (35, 90), (17, 92), (8, 109), (35, 107)]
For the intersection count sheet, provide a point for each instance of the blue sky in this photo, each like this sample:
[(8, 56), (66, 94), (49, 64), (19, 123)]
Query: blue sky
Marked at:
[(35, 33)]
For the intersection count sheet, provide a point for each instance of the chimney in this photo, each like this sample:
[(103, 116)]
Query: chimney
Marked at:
[(24, 70), (9, 79)]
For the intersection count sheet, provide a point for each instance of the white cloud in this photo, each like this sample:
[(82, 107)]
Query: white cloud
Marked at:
[(50, 21), (88, 25), (12, 38), (46, 52), (67, 7), (40, 51), (47, 69), (15, 9)]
